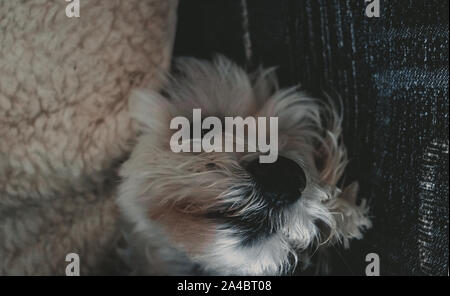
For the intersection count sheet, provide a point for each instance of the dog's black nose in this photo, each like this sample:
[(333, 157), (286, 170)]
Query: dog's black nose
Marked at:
[(281, 182)]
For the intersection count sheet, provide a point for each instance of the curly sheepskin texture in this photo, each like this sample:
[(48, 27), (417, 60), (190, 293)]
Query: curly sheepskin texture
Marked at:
[(64, 123)]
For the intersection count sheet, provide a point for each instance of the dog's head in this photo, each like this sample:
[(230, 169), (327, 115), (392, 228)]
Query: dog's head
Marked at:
[(228, 212)]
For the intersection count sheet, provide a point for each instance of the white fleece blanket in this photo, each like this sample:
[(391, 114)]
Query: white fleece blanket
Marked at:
[(64, 124)]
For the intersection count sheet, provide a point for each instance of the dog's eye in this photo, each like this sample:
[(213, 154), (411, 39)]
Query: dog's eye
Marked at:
[(210, 165)]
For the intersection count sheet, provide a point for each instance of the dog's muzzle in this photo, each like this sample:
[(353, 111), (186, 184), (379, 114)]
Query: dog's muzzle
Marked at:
[(281, 183)]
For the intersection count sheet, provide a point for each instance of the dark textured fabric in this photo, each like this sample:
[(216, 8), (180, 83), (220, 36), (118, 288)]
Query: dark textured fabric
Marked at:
[(392, 74)]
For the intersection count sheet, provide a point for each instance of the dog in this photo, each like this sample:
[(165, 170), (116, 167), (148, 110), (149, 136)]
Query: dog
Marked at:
[(225, 213)]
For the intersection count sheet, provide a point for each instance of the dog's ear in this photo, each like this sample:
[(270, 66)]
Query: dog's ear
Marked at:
[(150, 110), (350, 193)]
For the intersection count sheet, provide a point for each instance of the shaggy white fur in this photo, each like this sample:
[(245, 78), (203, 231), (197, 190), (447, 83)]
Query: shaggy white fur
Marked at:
[(64, 122), (182, 208)]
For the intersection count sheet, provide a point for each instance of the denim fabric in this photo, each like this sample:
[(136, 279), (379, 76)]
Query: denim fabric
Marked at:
[(392, 74)]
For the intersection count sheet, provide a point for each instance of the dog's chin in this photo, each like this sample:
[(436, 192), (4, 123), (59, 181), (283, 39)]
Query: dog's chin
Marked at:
[(271, 244)]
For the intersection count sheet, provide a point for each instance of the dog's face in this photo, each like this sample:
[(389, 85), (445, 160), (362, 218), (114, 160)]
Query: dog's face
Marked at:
[(228, 212)]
